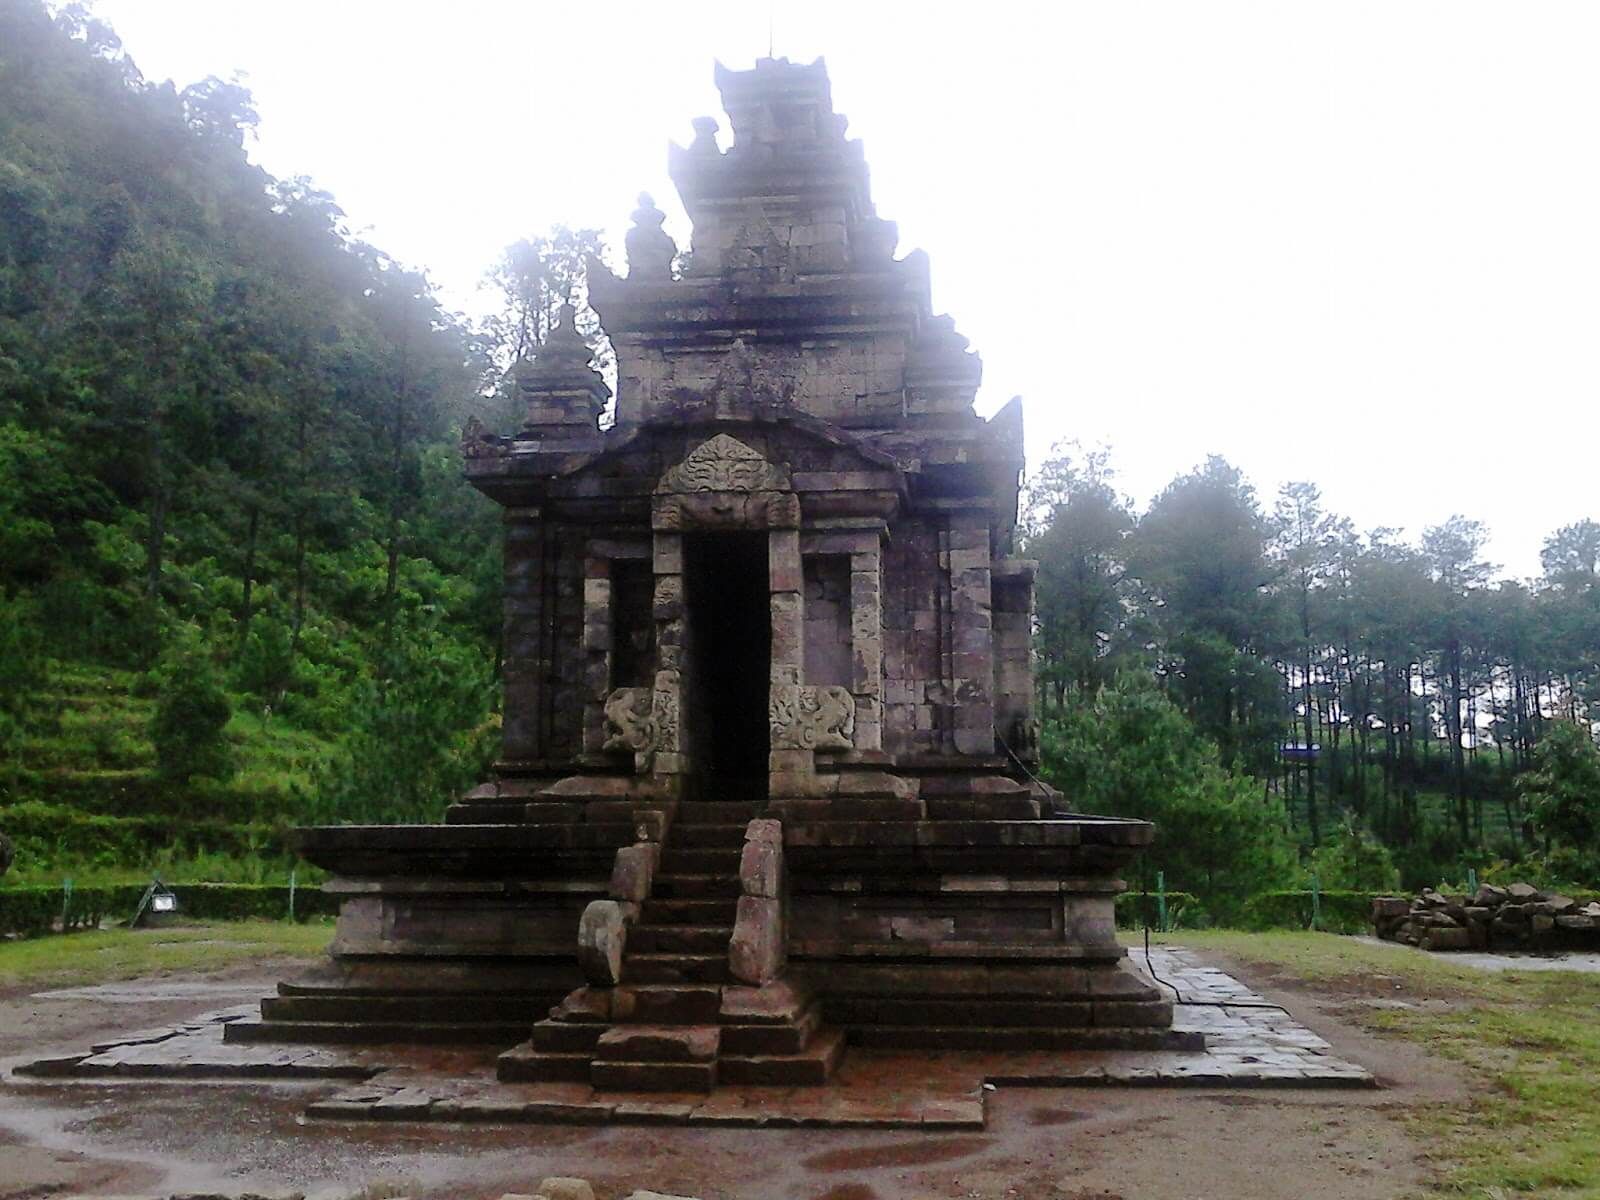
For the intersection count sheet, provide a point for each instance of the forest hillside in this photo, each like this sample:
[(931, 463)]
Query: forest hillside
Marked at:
[(242, 585)]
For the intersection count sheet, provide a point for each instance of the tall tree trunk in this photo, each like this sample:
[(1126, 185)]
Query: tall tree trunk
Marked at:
[(251, 531)]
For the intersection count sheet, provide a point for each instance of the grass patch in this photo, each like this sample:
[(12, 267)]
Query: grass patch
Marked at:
[(108, 955), (1532, 1039)]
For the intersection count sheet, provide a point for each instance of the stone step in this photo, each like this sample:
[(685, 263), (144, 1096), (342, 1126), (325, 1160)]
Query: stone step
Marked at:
[(524, 1064), (565, 1037), (975, 1037), (716, 812), (695, 886), (690, 910), (718, 860), (680, 939), (807, 1068), (1037, 1014), (675, 968), (441, 1009), (776, 1003), (772, 1039), (653, 1076), (659, 1043), (374, 1033), (667, 1003), (695, 837)]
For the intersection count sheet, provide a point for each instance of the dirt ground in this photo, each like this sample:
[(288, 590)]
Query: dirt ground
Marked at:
[(1055, 1144)]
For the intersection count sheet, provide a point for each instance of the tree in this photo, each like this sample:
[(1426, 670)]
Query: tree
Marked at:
[(1451, 551), (1078, 530), (192, 711), (1304, 547), (1563, 789), (1201, 554), (1130, 752), (417, 733)]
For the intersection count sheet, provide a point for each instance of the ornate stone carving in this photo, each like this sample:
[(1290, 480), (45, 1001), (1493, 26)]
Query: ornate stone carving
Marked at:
[(812, 718), (643, 720), (478, 442), (630, 720), (723, 464)]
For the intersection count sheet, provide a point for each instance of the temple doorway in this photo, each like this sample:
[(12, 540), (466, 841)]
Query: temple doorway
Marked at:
[(730, 651)]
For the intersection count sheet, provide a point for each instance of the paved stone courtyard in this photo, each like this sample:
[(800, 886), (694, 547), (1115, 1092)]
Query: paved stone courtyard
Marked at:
[(1250, 1044)]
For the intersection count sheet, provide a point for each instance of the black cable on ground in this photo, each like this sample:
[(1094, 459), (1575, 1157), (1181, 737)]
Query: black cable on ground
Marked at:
[(1177, 995)]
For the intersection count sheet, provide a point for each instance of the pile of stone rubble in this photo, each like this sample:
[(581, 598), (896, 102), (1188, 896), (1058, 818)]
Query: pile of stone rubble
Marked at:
[(1519, 917)]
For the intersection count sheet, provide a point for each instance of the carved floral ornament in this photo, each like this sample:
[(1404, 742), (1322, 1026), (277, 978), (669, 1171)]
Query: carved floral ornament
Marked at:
[(723, 464)]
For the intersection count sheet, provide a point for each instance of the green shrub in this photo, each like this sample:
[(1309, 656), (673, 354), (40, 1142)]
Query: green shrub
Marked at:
[(1140, 910), (1339, 911), (71, 840), (190, 717), (30, 911)]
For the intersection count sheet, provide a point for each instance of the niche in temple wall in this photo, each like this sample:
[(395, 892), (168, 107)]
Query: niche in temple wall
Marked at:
[(827, 619)]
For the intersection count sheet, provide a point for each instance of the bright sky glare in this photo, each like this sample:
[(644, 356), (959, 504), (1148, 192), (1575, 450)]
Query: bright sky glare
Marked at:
[(1352, 241)]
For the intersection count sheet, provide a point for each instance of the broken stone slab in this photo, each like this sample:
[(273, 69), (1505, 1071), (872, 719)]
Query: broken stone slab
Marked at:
[(1523, 892), (602, 935)]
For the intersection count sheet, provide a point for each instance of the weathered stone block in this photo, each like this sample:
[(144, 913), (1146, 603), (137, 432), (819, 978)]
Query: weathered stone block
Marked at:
[(633, 871), (761, 868), (602, 934), (756, 949)]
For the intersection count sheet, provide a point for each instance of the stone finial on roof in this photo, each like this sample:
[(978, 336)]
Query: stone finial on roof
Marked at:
[(705, 136), (559, 383), (650, 248)]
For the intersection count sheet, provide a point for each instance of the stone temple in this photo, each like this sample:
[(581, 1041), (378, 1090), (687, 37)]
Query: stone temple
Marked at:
[(766, 787)]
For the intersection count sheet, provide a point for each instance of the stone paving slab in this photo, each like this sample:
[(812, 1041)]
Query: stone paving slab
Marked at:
[(1249, 1043)]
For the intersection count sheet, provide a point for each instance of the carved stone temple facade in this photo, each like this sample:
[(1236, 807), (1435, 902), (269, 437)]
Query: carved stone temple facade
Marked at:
[(766, 785)]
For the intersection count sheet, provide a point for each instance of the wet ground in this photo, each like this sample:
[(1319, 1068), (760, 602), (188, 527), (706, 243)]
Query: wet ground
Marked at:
[(1069, 1143), (1586, 962)]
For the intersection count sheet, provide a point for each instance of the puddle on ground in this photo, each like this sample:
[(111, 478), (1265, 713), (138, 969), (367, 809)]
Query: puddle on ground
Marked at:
[(896, 1154), (1056, 1116), (146, 992)]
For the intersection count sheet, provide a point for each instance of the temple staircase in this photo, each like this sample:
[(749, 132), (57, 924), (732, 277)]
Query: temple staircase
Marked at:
[(678, 1020)]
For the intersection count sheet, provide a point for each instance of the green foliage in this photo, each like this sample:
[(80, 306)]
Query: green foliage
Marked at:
[(30, 911), (191, 715), (1352, 859), (418, 733), (266, 661), (1563, 789), (1130, 752), (22, 674), (1340, 910)]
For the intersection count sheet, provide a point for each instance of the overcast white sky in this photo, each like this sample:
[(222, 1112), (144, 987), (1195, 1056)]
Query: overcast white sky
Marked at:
[(1357, 243)]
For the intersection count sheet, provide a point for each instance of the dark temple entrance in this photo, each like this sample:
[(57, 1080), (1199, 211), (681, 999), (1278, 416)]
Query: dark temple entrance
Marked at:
[(730, 648)]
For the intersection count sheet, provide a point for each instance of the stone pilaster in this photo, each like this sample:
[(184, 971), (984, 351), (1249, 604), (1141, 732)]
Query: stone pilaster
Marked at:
[(524, 730), (786, 581), (597, 635), (971, 634), (671, 651), (866, 647)]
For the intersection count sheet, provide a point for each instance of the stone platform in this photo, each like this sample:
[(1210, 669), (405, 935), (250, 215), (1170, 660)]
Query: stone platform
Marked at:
[(879, 1089)]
